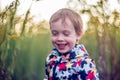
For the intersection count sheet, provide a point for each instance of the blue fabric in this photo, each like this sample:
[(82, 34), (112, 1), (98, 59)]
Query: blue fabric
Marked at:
[(78, 66)]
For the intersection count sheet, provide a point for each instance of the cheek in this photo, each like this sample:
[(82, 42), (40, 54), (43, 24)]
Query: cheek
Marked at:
[(53, 39), (72, 40), (75, 40)]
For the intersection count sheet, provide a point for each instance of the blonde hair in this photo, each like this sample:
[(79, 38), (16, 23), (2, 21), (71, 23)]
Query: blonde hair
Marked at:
[(74, 17)]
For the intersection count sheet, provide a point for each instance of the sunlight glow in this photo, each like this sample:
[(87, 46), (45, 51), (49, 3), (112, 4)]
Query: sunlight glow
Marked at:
[(41, 9)]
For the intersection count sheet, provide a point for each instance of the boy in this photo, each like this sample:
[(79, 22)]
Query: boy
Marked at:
[(68, 60)]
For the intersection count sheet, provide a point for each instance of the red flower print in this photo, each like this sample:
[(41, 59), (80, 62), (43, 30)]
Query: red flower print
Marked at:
[(51, 64), (77, 63), (50, 78), (90, 75), (62, 66)]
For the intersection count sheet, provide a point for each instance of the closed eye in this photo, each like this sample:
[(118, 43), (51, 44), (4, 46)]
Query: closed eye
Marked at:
[(54, 33), (66, 33)]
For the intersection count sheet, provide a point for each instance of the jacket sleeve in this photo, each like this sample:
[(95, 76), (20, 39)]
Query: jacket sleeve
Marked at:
[(49, 64), (88, 70)]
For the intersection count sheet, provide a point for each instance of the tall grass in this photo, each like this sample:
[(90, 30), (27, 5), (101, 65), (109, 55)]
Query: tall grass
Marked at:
[(31, 57), (21, 57)]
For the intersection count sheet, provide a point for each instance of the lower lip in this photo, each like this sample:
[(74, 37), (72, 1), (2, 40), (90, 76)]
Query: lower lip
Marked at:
[(61, 47)]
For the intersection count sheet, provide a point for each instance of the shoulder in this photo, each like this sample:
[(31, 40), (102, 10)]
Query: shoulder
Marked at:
[(89, 66), (83, 56), (89, 62), (52, 57), (82, 47), (80, 51), (52, 54)]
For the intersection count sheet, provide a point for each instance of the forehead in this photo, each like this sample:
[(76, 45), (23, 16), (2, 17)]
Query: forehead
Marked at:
[(63, 22)]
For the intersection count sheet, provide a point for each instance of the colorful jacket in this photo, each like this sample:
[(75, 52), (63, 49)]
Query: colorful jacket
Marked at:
[(77, 66)]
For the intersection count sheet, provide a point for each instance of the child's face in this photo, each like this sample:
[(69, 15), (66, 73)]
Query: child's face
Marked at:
[(63, 35)]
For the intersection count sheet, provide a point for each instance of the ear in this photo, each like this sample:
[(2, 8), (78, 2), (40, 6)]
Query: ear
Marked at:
[(78, 37)]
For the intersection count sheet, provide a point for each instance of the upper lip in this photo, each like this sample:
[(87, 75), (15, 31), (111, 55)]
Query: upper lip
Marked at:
[(60, 43)]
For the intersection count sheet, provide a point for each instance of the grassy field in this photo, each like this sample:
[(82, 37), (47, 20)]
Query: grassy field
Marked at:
[(31, 57)]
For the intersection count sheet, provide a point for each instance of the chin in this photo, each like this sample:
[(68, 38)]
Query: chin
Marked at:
[(62, 52)]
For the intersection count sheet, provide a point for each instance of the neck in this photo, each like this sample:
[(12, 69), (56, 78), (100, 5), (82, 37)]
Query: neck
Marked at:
[(65, 54)]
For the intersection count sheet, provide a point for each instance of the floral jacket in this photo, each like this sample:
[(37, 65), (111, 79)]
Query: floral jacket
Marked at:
[(77, 66)]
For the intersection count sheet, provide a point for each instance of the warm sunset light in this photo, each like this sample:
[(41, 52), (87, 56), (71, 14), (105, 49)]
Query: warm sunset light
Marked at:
[(42, 9), (36, 46)]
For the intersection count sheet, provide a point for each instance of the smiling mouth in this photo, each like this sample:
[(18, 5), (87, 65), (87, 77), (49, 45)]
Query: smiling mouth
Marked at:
[(61, 46)]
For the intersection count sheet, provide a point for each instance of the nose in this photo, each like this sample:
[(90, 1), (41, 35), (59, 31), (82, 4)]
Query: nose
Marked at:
[(60, 38)]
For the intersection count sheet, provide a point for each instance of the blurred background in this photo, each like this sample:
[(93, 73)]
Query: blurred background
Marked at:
[(25, 36)]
